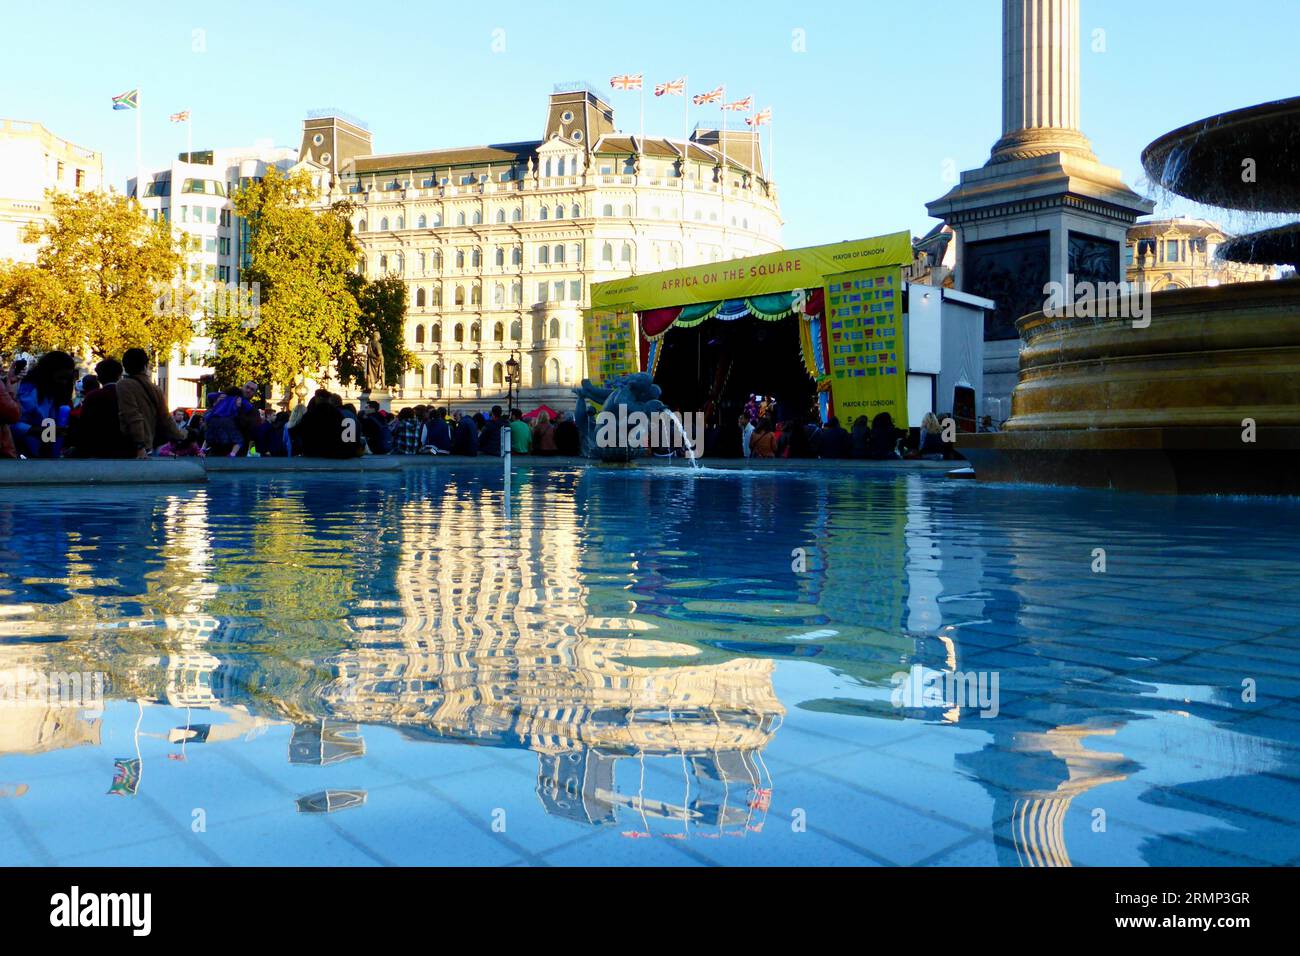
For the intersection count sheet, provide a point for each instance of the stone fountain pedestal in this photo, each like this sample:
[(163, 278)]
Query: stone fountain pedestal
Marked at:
[(1206, 399)]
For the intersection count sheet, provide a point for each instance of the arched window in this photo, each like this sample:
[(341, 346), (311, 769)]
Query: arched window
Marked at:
[(546, 168), (516, 294), (577, 253), (555, 329), (498, 295), (543, 213), (627, 252), (608, 210), (424, 263), (516, 256), (607, 253), (476, 295), (460, 258), (501, 215), (478, 217), (437, 220), (576, 211), (460, 296), (500, 256), (557, 254), (419, 304), (498, 374), (437, 261), (419, 376), (517, 215), (422, 222), (458, 374), (361, 225), (362, 266), (499, 332), (437, 295), (401, 222), (627, 210), (383, 224), (458, 333), (559, 212), (473, 375), (474, 335), (543, 255), (435, 376), (435, 334), (383, 264), (553, 371), (460, 218), (419, 335), (476, 258), (516, 330), (401, 264)]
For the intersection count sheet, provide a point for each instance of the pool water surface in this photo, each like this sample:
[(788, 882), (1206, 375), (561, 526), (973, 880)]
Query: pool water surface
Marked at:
[(646, 666)]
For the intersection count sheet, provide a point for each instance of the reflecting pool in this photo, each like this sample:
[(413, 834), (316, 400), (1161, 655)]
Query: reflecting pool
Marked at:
[(646, 666)]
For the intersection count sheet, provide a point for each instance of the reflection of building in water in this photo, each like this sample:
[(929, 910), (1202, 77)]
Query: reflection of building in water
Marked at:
[(496, 647)]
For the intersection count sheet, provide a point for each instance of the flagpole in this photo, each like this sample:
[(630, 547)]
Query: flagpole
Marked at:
[(642, 139), (139, 164), (686, 133), (189, 136)]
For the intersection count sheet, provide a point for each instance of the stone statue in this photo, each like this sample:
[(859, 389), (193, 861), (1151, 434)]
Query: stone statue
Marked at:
[(375, 364), (621, 397)]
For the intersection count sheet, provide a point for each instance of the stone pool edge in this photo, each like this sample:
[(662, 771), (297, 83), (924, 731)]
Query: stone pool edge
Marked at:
[(73, 471)]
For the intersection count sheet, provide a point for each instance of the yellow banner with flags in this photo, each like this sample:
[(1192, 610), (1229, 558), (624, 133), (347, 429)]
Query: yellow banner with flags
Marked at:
[(783, 271), (866, 347), (612, 346)]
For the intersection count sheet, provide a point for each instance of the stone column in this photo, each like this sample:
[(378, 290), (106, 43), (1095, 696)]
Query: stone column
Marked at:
[(1040, 80)]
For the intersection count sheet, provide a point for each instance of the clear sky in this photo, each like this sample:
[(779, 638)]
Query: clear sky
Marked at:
[(877, 104)]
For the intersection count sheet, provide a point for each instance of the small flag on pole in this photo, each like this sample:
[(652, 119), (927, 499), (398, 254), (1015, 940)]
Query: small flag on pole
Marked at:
[(699, 99), (740, 106), (181, 117), (672, 88), (627, 81), (127, 101), (761, 118)]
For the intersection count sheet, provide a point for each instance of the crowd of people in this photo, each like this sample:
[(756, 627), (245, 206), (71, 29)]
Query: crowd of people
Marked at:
[(877, 439), (49, 411)]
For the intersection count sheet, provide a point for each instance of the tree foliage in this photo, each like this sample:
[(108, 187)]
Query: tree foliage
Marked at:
[(96, 282), (383, 310), (300, 257)]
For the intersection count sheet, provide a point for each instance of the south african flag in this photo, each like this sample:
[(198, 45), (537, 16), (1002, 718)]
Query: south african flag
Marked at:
[(127, 101)]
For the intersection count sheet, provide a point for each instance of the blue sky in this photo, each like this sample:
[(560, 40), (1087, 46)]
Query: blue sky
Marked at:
[(866, 116)]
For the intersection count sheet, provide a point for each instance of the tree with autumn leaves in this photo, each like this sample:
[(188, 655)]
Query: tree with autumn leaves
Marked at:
[(313, 312), (95, 284)]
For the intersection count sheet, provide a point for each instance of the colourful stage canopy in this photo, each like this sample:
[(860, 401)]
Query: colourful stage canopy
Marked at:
[(751, 277)]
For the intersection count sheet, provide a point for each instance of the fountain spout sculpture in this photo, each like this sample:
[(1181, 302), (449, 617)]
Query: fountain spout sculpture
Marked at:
[(621, 397)]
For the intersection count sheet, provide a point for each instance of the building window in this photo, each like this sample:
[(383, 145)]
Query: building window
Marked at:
[(458, 334), (437, 296), (435, 376), (607, 210), (498, 295), (474, 334), (559, 212), (460, 258), (435, 334), (473, 375), (361, 225), (555, 330), (553, 371), (478, 218), (499, 332), (627, 210), (607, 253), (500, 256), (476, 295), (542, 213), (419, 304), (498, 376), (541, 291), (627, 252), (558, 255), (517, 215), (401, 222), (1172, 251), (458, 374), (383, 224), (516, 330), (543, 255), (516, 256), (460, 298), (419, 335), (437, 261), (422, 222), (575, 290), (501, 215), (577, 253), (460, 219), (476, 258)]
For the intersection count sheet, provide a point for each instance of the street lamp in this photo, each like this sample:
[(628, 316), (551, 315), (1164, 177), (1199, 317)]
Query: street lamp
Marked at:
[(512, 376)]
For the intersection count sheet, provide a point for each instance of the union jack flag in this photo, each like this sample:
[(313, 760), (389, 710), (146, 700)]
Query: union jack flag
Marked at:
[(182, 117), (699, 99), (627, 81), (672, 88), (761, 118), (740, 106)]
